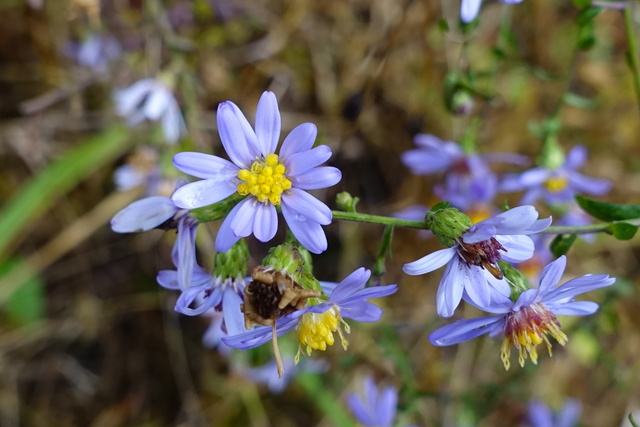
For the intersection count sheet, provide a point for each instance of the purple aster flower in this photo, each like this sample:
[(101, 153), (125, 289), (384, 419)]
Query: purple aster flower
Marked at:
[(265, 178), (375, 407), (316, 324), (212, 337), (140, 168), (469, 179), (540, 415), (469, 8), (475, 255), (96, 52), (527, 322), (556, 186), (152, 100)]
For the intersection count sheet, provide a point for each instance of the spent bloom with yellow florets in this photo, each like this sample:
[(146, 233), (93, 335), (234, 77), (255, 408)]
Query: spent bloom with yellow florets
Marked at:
[(265, 178), (322, 318), (531, 319)]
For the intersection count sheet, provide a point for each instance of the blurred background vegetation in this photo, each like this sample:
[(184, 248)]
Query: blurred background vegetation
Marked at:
[(87, 337)]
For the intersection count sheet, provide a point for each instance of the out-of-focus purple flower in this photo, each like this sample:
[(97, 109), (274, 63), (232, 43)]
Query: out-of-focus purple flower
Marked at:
[(610, 4), (469, 179), (265, 178), (540, 415), (267, 374), (96, 52), (149, 99), (556, 186), (526, 323), (475, 255), (316, 324), (212, 337), (374, 407), (140, 168), (469, 8)]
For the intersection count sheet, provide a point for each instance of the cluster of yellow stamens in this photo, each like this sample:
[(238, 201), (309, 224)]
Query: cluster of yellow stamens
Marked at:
[(315, 330), (527, 328), (266, 180), (556, 183)]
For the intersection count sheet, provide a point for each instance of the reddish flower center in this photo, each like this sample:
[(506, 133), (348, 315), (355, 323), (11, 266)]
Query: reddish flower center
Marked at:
[(485, 254)]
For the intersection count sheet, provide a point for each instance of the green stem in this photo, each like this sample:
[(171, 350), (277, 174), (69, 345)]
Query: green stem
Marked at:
[(377, 219), (389, 221), (633, 51)]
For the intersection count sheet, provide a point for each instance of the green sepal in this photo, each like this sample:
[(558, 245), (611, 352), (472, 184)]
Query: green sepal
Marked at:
[(232, 263), (516, 279), (216, 211), (290, 259), (447, 224), (347, 202)]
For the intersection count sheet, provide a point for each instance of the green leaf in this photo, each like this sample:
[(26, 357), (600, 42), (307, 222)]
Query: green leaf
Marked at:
[(26, 304), (632, 420), (43, 190), (581, 4), (608, 211), (562, 243), (623, 230)]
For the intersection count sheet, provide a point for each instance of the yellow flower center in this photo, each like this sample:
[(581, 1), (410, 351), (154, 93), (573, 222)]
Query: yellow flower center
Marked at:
[(526, 329), (315, 331), (266, 180), (556, 183)]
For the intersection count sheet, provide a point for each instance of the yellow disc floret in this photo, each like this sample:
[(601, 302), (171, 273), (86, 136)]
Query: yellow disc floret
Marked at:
[(556, 183), (315, 330), (265, 179), (526, 329)]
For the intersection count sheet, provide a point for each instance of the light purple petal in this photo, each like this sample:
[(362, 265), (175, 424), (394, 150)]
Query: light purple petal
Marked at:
[(204, 166), (451, 286), (430, 262), (364, 294), (299, 140), (238, 139), (144, 214), (266, 222), (350, 284), (268, 123), (525, 299), (168, 279), (426, 162), (551, 274), (577, 308), (320, 177), (469, 10), (233, 317), (157, 102), (538, 226), (262, 334), (570, 414), (225, 238), (308, 233), (535, 176), (307, 206), (476, 286), (359, 411), (518, 247), (203, 193), (578, 286), (362, 312), (464, 329), (128, 99), (301, 162), (512, 158), (576, 157), (172, 123), (243, 223), (584, 184), (387, 405), (540, 415)]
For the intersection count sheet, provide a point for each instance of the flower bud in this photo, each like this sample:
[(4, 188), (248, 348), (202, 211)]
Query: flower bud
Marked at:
[(447, 224), (347, 202), (516, 279)]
